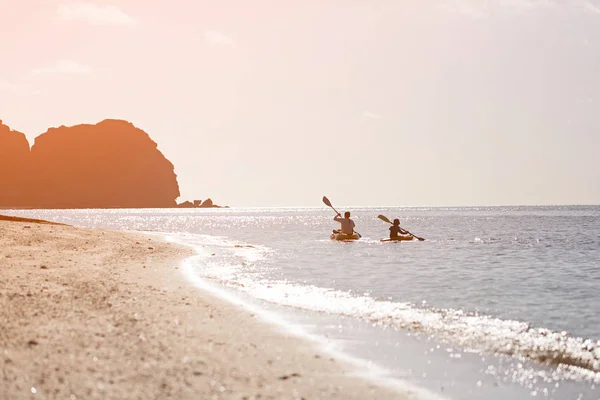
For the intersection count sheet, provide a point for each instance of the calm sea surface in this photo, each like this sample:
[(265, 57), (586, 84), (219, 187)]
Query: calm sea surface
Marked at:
[(497, 303)]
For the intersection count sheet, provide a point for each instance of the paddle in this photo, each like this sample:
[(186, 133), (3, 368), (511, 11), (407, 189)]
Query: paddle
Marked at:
[(328, 203), (384, 218)]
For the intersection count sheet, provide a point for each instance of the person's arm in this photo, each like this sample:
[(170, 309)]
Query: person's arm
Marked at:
[(338, 218), (402, 231)]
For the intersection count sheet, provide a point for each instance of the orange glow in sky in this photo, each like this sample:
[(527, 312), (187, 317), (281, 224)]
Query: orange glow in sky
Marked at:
[(269, 103)]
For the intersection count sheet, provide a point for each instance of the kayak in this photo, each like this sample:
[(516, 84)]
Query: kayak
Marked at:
[(399, 239), (344, 238)]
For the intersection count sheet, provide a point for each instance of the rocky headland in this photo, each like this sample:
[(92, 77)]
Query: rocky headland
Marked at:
[(14, 166), (111, 164)]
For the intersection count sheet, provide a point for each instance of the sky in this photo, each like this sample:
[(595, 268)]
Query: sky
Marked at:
[(277, 103)]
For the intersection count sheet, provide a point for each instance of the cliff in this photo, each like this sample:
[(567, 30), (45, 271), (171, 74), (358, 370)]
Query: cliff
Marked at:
[(111, 164), (14, 166)]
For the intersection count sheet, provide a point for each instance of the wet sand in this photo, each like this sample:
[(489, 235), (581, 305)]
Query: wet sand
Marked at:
[(97, 314)]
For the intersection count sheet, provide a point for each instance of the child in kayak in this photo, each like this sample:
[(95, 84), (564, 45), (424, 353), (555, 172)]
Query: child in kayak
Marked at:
[(347, 224), (396, 231)]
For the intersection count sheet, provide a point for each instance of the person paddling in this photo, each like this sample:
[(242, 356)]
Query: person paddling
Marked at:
[(396, 231), (347, 224)]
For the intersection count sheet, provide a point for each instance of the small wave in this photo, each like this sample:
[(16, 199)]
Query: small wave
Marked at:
[(577, 358), (474, 332)]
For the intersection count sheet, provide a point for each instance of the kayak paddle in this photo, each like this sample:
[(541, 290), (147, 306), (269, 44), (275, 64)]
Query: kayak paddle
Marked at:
[(385, 219), (328, 203)]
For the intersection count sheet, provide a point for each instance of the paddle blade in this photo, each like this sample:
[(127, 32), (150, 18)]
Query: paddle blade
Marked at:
[(384, 218), (326, 201)]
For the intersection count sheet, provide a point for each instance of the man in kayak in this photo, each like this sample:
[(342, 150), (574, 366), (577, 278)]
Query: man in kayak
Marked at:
[(347, 224), (396, 231)]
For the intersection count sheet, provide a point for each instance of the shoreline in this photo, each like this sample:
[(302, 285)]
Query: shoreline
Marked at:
[(9, 218), (92, 313), (358, 367)]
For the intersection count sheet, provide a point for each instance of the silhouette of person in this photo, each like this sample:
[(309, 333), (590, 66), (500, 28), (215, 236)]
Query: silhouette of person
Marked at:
[(347, 224), (396, 231)]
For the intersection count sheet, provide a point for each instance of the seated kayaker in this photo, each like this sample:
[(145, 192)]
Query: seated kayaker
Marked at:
[(347, 224), (396, 231)]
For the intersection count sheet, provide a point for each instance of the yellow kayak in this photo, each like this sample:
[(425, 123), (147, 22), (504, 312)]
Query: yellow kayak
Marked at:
[(344, 238), (399, 239)]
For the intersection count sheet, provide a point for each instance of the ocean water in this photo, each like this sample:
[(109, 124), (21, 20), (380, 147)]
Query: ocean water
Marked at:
[(496, 303)]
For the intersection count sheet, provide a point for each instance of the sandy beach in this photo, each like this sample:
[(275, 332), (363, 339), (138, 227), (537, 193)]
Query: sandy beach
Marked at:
[(97, 314)]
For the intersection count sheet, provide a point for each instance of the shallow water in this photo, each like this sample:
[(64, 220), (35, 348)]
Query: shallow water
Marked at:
[(499, 302)]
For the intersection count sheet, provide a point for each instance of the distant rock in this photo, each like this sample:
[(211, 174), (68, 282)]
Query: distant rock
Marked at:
[(186, 204), (208, 203), (111, 164), (14, 167)]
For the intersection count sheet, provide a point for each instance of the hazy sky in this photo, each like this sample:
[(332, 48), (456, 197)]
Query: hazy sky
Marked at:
[(370, 102)]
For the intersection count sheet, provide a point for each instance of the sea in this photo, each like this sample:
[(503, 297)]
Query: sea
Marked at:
[(496, 303)]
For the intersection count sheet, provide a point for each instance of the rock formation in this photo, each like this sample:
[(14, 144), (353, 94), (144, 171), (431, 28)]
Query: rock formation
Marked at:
[(14, 167), (208, 203), (111, 164), (186, 204)]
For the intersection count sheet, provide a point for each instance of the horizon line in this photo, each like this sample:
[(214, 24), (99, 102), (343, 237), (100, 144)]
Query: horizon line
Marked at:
[(312, 207)]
